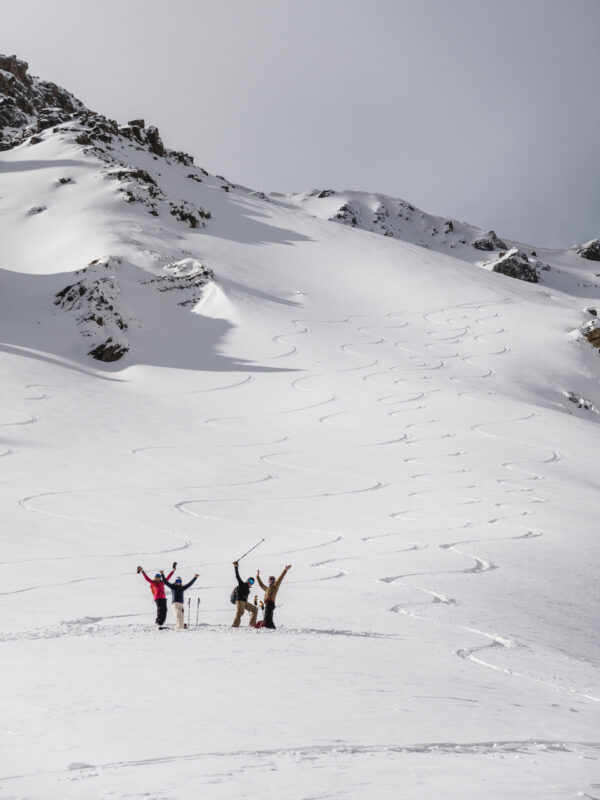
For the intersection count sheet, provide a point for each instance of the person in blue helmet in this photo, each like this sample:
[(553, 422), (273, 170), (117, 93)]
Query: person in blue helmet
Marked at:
[(241, 600), (177, 596)]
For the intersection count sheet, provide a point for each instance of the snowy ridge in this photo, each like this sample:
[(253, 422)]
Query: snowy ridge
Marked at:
[(568, 270)]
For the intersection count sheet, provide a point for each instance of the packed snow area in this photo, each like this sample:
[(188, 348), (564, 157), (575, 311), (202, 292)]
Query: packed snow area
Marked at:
[(394, 421)]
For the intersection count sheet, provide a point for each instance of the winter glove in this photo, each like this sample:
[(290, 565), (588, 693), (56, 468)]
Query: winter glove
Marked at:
[(174, 565), (139, 569)]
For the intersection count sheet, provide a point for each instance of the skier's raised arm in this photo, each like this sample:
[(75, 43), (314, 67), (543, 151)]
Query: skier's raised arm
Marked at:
[(282, 576), (187, 585), (166, 580), (260, 583), (237, 574), (141, 569)]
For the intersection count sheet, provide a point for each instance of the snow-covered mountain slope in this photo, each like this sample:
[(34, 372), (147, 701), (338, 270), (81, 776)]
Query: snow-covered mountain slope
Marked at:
[(415, 434), (572, 270)]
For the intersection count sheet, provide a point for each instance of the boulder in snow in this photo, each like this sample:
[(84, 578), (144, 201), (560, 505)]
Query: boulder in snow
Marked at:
[(488, 242), (516, 264), (590, 250)]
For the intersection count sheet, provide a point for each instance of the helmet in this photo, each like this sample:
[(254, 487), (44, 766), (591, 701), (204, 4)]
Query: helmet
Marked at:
[(178, 580), (271, 578), (250, 581), (158, 576)]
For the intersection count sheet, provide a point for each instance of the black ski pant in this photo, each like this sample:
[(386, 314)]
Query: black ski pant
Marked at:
[(161, 610), (269, 609)]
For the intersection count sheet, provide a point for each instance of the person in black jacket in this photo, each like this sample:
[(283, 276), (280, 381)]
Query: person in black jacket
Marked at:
[(242, 604), (177, 592)]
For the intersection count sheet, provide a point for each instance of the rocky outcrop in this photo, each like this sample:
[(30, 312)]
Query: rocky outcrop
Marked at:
[(488, 242), (108, 351), (29, 105), (347, 215), (517, 264), (186, 279), (138, 186), (590, 250), (95, 298), (581, 402), (95, 301), (591, 331)]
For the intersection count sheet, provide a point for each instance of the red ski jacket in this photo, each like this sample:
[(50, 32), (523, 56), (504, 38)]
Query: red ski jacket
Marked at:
[(157, 587)]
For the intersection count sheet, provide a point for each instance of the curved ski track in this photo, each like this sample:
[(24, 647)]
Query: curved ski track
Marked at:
[(438, 356)]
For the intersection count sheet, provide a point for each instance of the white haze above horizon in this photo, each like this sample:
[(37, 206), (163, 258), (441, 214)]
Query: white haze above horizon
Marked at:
[(467, 111)]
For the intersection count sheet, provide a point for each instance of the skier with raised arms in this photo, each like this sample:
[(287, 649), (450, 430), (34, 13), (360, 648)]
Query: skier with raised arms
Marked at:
[(270, 595), (177, 595), (240, 597), (158, 593)]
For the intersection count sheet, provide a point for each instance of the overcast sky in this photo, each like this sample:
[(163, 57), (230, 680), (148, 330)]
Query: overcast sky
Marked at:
[(481, 110)]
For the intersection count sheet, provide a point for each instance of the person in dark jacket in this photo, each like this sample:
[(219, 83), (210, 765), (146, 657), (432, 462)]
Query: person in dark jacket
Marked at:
[(242, 604), (158, 593), (177, 595), (270, 595)]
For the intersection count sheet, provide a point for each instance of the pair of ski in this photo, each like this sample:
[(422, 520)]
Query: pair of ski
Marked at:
[(187, 625)]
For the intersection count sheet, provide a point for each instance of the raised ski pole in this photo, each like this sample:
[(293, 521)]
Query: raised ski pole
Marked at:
[(251, 549), (197, 611)]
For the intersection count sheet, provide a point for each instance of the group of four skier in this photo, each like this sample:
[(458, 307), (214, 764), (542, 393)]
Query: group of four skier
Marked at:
[(239, 597)]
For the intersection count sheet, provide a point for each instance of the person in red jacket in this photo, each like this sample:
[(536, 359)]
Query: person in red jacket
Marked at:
[(157, 588)]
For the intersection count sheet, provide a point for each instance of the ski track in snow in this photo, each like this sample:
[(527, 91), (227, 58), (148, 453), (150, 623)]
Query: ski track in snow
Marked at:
[(340, 749), (32, 420), (423, 364), (444, 349)]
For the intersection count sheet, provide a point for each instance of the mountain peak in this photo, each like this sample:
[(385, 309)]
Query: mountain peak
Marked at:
[(28, 105)]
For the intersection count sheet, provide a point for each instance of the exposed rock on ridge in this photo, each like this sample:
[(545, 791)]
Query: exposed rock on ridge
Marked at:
[(517, 264), (99, 313), (102, 313), (590, 250), (28, 105)]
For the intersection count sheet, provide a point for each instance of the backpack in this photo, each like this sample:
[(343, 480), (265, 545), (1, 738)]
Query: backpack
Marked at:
[(234, 596)]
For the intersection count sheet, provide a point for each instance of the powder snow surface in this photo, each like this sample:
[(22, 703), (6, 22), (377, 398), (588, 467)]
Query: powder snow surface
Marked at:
[(391, 419)]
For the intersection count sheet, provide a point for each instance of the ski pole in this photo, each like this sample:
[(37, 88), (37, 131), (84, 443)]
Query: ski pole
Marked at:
[(197, 611), (189, 620), (251, 549)]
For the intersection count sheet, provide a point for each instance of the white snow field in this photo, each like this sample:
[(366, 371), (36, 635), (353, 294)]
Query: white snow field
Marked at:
[(392, 420)]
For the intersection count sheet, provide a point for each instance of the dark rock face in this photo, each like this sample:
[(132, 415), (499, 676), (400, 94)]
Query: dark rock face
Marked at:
[(95, 302), (489, 242), (29, 105), (590, 250), (320, 193), (154, 141), (15, 66), (347, 215), (516, 264), (108, 351), (95, 299)]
